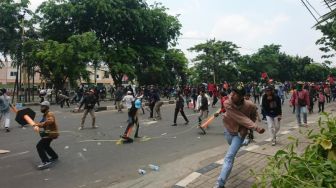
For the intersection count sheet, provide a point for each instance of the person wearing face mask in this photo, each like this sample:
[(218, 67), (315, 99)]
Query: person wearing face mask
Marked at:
[(48, 130), (271, 103)]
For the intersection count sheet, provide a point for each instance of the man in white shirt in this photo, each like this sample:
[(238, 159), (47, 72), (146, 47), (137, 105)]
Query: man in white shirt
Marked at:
[(128, 99)]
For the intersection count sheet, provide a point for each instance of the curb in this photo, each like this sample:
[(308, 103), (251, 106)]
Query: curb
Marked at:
[(194, 175)]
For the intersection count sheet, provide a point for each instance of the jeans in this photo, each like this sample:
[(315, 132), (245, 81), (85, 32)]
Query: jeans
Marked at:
[(235, 142), (298, 111), (202, 115)]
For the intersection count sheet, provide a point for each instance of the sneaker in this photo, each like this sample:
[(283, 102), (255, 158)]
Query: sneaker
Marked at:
[(95, 127), (217, 186), (186, 123), (7, 130), (174, 124), (273, 142), (80, 128), (44, 165)]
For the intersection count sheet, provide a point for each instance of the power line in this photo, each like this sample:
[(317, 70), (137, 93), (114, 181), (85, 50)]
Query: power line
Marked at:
[(327, 4), (313, 8), (309, 10)]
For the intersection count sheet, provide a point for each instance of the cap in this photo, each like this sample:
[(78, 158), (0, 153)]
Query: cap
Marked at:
[(129, 92), (45, 103), (239, 89)]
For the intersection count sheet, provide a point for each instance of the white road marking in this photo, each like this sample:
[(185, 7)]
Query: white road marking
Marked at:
[(15, 155), (188, 179)]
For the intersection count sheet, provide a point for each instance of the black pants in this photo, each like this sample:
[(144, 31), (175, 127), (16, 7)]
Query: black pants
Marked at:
[(256, 98), (151, 107), (65, 101), (177, 110), (43, 148), (321, 106)]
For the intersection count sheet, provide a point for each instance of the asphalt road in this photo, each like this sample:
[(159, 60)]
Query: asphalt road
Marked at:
[(93, 157)]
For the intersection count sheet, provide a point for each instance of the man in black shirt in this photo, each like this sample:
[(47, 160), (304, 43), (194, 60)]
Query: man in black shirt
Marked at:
[(179, 108), (89, 102)]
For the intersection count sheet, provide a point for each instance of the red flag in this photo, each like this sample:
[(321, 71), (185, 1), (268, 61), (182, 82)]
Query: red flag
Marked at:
[(331, 79), (264, 75)]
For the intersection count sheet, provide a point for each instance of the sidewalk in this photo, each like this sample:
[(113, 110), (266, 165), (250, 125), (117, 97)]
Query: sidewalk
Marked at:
[(252, 157)]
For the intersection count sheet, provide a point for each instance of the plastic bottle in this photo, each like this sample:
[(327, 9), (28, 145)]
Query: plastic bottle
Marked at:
[(154, 167), (142, 172)]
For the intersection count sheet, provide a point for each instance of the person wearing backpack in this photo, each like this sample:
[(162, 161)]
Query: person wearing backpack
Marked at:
[(301, 102), (89, 102), (321, 100)]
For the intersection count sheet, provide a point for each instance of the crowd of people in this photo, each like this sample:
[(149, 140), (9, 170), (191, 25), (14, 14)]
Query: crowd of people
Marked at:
[(242, 105)]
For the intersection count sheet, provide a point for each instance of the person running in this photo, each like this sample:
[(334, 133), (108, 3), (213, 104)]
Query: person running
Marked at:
[(89, 101), (203, 102), (48, 133), (240, 116), (179, 108), (5, 109), (271, 103), (300, 101)]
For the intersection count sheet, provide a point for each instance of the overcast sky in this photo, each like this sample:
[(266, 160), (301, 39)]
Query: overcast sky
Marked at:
[(248, 23)]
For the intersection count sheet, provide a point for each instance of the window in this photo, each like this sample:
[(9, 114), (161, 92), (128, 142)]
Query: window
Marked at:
[(106, 74), (12, 73), (97, 76)]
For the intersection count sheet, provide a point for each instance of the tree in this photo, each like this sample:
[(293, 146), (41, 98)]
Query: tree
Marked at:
[(215, 56), (62, 62), (132, 34)]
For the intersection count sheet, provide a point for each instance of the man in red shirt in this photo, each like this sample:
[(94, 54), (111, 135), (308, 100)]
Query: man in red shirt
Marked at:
[(300, 101)]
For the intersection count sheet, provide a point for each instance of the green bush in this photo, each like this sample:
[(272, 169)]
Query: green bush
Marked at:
[(315, 167)]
